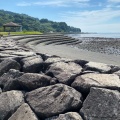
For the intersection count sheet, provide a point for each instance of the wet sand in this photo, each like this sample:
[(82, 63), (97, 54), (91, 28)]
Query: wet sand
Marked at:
[(76, 53)]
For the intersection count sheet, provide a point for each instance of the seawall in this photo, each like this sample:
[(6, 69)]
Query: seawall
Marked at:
[(37, 86)]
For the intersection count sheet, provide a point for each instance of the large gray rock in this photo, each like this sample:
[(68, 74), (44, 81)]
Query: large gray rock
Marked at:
[(31, 81), (10, 75), (101, 104), (12, 84), (32, 64), (28, 82), (114, 68), (100, 67), (53, 100), (9, 102), (67, 116), (8, 64), (24, 112), (84, 82), (64, 72), (54, 59)]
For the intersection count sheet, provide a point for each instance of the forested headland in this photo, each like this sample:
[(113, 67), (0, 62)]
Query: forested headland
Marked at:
[(34, 24)]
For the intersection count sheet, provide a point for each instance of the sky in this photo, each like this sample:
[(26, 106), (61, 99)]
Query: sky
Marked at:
[(101, 16)]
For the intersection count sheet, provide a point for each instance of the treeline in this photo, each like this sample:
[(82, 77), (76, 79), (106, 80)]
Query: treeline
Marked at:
[(34, 24)]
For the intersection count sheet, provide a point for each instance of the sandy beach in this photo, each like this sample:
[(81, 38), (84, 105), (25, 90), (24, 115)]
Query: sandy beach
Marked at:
[(76, 53)]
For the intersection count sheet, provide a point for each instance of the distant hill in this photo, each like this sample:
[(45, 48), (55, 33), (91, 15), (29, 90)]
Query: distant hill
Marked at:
[(34, 24)]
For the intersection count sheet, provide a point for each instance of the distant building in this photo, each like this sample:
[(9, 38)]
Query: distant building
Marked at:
[(13, 25), (51, 31)]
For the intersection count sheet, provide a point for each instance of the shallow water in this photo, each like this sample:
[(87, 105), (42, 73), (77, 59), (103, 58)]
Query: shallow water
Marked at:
[(104, 35)]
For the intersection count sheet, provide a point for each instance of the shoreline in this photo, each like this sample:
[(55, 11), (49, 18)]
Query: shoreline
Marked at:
[(88, 52), (76, 53)]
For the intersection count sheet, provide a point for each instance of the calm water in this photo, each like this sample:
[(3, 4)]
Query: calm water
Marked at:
[(106, 35)]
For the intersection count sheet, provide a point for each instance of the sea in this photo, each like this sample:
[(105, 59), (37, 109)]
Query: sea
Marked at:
[(103, 35)]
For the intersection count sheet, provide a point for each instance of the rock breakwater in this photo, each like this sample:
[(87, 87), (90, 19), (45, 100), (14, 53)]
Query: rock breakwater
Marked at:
[(36, 86)]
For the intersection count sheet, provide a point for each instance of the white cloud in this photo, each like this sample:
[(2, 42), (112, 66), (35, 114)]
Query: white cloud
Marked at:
[(63, 3), (114, 1), (92, 17), (24, 4), (90, 20), (81, 1), (50, 3)]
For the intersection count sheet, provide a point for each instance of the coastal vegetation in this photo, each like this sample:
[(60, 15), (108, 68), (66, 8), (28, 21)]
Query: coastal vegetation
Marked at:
[(21, 33), (34, 24)]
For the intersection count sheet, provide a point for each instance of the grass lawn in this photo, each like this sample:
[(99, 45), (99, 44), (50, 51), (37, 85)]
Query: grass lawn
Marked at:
[(21, 33)]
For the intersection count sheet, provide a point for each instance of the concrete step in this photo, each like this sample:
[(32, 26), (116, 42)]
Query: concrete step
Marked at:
[(66, 42)]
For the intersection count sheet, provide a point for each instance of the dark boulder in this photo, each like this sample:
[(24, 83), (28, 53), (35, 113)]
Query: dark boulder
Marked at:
[(100, 67), (53, 100), (28, 82), (64, 72), (114, 69), (84, 82), (101, 104), (31, 81), (8, 64), (12, 84), (32, 64), (9, 102), (54, 59), (10, 75)]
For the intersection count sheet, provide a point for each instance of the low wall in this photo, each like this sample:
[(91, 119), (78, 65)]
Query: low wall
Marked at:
[(36, 86)]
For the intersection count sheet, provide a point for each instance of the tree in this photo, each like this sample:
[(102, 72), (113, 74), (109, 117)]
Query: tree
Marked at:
[(34, 24), (44, 20)]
